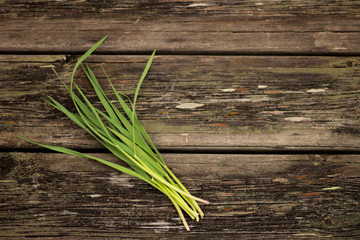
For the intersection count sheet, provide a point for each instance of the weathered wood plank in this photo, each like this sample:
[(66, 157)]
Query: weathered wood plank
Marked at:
[(302, 27), (246, 102), (253, 197)]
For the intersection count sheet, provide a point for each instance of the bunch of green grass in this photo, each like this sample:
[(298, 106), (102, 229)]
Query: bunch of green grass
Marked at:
[(122, 134)]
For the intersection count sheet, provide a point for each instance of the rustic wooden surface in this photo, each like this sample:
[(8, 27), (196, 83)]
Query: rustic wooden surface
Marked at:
[(277, 80), (247, 102), (252, 196), (311, 27)]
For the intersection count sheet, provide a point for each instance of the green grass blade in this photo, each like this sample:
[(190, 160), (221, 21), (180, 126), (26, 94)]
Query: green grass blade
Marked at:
[(145, 151), (146, 70), (79, 154), (147, 159), (101, 94), (127, 110), (94, 113), (86, 55), (176, 207), (76, 119), (78, 63)]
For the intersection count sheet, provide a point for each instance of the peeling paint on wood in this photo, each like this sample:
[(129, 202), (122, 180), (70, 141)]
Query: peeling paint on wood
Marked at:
[(296, 119), (199, 5), (320, 90), (189, 105), (228, 90)]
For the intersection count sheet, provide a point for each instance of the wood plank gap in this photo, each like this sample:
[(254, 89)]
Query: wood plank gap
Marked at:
[(188, 53), (219, 150)]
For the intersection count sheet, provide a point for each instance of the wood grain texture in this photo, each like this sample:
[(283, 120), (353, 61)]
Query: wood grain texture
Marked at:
[(234, 27), (253, 197), (241, 102), (230, 75)]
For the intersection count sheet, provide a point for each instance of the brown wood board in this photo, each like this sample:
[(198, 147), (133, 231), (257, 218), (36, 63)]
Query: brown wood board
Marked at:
[(231, 27), (252, 196), (245, 102)]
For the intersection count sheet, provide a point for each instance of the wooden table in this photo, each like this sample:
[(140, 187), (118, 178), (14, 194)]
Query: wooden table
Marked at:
[(270, 132)]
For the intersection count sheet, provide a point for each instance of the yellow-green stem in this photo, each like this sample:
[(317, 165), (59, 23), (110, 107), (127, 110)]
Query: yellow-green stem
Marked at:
[(181, 215)]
